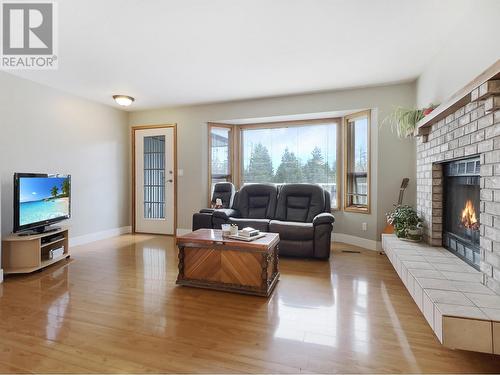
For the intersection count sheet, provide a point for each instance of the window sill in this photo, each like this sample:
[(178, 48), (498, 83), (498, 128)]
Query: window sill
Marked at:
[(359, 210)]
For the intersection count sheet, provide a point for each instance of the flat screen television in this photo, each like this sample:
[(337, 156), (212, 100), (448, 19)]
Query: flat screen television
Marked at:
[(40, 200)]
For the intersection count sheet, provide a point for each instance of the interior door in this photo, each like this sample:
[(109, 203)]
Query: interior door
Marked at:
[(154, 180)]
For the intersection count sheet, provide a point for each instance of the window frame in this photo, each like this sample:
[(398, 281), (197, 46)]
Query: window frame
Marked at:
[(231, 157), (346, 148), (288, 124)]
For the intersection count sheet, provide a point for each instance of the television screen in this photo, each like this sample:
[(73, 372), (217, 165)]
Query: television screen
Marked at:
[(41, 200)]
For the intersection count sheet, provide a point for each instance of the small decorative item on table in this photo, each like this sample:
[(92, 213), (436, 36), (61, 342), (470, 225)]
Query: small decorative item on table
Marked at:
[(218, 203), (226, 229)]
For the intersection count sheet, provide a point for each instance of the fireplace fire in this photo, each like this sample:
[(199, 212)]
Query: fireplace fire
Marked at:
[(461, 209), (469, 219)]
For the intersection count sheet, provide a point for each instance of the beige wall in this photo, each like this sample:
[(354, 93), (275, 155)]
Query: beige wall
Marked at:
[(472, 47), (46, 130), (392, 159)]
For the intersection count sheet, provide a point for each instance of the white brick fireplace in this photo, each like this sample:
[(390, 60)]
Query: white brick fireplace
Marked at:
[(472, 129), (458, 182)]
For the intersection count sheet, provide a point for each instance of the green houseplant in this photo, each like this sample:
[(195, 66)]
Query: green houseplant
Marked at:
[(407, 224), (403, 121)]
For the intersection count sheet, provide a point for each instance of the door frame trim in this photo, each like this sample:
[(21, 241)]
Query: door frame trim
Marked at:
[(133, 129)]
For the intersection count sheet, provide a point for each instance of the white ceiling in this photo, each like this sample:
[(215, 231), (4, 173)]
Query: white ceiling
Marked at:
[(166, 52)]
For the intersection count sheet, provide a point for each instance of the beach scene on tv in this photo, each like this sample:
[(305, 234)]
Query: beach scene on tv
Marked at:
[(43, 198)]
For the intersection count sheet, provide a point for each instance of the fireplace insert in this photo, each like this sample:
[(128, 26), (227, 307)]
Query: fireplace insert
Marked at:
[(461, 209)]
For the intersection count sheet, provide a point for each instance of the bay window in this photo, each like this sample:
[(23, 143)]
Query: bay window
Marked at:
[(294, 152), (305, 151)]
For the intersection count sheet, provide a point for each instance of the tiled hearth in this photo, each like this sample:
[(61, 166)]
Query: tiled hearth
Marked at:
[(461, 311), (469, 131)]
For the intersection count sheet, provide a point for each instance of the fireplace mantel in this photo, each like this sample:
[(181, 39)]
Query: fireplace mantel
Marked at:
[(471, 92)]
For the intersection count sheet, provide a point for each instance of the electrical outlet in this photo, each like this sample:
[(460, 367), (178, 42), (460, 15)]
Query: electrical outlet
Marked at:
[(364, 227)]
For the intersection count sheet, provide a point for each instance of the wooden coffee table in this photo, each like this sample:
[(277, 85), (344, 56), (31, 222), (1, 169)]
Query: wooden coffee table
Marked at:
[(207, 260)]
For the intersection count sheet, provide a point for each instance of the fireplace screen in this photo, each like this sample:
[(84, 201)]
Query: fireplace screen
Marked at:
[(461, 209)]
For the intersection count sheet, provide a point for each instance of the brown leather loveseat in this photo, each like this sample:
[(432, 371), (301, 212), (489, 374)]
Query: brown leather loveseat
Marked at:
[(299, 213)]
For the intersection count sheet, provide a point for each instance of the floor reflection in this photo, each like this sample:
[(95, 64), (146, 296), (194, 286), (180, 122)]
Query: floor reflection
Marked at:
[(340, 323), (55, 286), (398, 329), (360, 290), (153, 266), (311, 318), (154, 263), (360, 319), (56, 311)]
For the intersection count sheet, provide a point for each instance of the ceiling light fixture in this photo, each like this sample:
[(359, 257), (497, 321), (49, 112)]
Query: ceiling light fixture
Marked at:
[(123, 100)]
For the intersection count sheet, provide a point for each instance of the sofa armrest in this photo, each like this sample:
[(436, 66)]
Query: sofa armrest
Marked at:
[(202, 220), (323, 218), (226, 213), (207, 210), (323, 225)]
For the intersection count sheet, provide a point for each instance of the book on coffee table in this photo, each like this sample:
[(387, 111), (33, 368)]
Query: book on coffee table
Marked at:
[(248, 232), (246, 238)]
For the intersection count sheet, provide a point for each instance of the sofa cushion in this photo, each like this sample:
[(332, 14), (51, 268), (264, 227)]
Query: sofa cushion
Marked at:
[(292, 230), (257, 201), (300, 202), (259, 224)]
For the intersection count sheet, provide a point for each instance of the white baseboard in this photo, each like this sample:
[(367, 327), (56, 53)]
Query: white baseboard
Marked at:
[(1, 275), (182, 231), (91, 237), (357, 241)]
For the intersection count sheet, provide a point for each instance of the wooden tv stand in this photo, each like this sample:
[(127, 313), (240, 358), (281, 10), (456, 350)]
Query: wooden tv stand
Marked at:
[(25, 254)]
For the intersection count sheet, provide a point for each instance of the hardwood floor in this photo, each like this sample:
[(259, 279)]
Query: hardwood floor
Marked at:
[(114, 307)]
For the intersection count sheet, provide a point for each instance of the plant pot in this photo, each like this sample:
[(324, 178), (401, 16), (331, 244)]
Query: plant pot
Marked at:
[(414, 234), (427, 111)]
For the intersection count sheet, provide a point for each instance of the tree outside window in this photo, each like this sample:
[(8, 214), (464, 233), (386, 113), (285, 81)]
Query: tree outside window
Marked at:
[(294, 154)]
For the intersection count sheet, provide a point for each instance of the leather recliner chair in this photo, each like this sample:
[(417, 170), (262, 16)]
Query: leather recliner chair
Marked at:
[(303, 221), (254, 207), (224, 191), (299, 213)]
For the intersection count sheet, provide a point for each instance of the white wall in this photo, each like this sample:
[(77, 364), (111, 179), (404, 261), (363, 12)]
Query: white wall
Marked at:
[(1, 270), (392, 159), (472, 47), (45, 130)]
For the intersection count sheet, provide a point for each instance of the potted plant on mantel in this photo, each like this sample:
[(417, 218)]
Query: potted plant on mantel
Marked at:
[(407, 224), (403, 121)]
